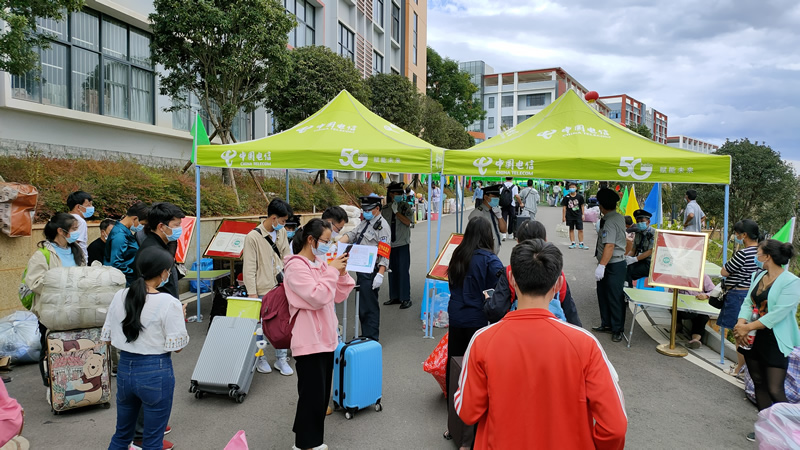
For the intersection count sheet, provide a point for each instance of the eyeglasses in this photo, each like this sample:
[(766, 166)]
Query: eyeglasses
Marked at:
[(334, 227), (323, 242)]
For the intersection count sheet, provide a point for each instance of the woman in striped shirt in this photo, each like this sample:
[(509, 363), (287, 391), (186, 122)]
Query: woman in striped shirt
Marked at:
[(737, 273)]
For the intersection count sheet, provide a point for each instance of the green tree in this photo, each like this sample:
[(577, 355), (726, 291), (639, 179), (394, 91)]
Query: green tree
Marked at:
[(224, 53), (396, 99), (453, 89), (442, 130), (318, 75), (21, 38), (641, 129)]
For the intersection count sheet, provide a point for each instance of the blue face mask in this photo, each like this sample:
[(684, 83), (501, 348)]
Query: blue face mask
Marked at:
[(398, 198), (289, 234), (368, 215), (572, 190), (73, 236), (89, 212), (277, 227), (176, 234), (738, 241), (137, 228), (163, 282), (494, 202), (641, 225), (759, 264), (322, 249)]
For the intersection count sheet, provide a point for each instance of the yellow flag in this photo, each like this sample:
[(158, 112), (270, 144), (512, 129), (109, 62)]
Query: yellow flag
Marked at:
[(633, 205)]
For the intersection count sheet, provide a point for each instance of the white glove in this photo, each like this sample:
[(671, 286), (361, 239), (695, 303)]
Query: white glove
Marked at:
[(600, 272), (377, 281), (394, 207), (631, 260), (497, 212)]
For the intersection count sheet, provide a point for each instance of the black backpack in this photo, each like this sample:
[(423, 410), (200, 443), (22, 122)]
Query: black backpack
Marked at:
[(505, 197)]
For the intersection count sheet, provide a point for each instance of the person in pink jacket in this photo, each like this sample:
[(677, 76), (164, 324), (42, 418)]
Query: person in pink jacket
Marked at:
[(312, 287)]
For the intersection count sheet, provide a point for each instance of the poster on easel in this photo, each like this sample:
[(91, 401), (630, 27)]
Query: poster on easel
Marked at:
[(228, 241), (187, 224), (678, 260), (439, 269)]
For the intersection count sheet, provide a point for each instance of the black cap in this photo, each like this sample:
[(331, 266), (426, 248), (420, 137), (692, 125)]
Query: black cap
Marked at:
[(395, 187), (607, 198), (369, 202), (641, 213), (293, 220), (492, 190)]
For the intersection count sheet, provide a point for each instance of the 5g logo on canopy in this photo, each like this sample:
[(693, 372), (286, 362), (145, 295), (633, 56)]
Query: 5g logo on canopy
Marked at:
[(348, 158), (630, 163)]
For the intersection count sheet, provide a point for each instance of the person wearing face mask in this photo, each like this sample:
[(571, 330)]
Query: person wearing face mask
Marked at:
[(121, 245), (164, 228), (58, 249), (373, 231), (773, 296), (147, 325), (291, 227), (398, 213), (98, 247), (80, 206), (264, 250), (312, 288), (737, 273), (573, 206), (611, 268), (638, 259), (490, 210)]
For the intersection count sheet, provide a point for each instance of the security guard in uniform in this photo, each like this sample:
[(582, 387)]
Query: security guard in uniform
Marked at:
[(490, 210), (373, 231), (611, 268), (639, 257), (399, 215)]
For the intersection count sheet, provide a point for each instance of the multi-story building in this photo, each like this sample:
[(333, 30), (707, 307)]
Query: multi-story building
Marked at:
[(513, 97), (695, 145), (98, 93), (627, 110), (477, 70)]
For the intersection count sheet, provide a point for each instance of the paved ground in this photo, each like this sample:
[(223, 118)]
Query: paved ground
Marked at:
[(671, 403)]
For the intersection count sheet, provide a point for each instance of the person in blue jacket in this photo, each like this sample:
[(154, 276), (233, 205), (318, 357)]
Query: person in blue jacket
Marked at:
[(121, 245), (473, 269)]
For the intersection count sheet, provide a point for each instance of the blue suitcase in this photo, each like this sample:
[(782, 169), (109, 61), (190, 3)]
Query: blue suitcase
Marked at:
[(357, 373)]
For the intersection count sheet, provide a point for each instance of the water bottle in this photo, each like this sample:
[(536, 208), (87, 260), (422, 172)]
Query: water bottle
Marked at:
[(751, 336)]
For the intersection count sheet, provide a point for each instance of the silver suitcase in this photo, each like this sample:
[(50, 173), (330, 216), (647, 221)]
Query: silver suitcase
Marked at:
[(227, 361)]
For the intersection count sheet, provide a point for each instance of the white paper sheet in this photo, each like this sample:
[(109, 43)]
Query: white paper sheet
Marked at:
[(678, 262), (227, 242)]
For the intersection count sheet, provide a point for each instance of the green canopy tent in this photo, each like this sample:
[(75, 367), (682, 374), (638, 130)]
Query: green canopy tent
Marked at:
[(344, 135), (570, 139)]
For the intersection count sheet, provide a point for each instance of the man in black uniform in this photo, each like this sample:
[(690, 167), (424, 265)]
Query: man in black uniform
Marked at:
[(490, 210), (373, 231), (398, 213), (639, 258)]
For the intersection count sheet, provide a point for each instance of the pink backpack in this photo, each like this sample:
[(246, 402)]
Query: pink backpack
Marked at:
[(276, 321)]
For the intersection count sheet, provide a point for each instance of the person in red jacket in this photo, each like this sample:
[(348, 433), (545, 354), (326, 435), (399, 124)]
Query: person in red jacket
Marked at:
[(531, 380)]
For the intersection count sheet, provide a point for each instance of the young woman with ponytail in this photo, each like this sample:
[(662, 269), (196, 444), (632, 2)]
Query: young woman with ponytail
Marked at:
[(58, 249), (312, 287), (146, 326)]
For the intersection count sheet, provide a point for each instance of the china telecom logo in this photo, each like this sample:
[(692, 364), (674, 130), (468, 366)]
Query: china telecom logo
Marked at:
[(481, 163)]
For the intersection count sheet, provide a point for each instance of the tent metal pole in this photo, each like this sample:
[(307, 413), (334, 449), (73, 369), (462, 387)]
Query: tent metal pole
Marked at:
[(287, 185), (724, 259), (428, 213), (439, 218), (463, 194), (197, 235), (457, 183)]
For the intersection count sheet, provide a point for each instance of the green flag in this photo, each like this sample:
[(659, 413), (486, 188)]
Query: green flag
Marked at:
[(199, 135), (624, 202), (785, 233)]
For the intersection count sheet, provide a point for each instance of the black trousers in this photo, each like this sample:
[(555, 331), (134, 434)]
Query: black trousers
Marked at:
[(698, 321), (369, 312), (478, 202), (457, 344), (314, 378), (400, 277), (638, 270), (611, 298), (510, 217)]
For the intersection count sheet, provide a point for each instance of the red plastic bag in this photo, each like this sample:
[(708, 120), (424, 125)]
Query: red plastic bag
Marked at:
[(436, 364)]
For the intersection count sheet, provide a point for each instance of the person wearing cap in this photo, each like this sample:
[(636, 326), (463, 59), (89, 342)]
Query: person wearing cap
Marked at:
[(490, 210), (510, 211), (398, 213), (611, 268), (638, 258), (292, 223), (374, 231)]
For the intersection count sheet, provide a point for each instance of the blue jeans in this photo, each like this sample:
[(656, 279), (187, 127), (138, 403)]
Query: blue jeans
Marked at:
[(146, 382)]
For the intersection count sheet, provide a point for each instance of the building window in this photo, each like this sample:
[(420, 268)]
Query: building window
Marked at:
[(95, 64), (414, 80), (395, 71), (395, 22), (241, 128), (377, 63), (507, 101), (414, 40), (491, 123), (535, 100), (347, 43), (377, 12), (304, 33), (506, 122), (491, 102)]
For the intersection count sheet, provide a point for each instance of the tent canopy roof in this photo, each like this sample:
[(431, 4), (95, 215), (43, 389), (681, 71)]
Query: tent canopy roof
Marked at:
[(570, 139), (343, 135)]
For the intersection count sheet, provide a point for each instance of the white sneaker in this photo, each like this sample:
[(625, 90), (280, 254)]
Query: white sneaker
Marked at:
[(262, 366), (283, 366), (503, 237)]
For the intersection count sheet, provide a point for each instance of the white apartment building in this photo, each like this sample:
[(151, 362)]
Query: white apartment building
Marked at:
[(688, 143)]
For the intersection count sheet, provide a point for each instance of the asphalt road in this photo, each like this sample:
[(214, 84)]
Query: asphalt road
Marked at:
[(670, 402)]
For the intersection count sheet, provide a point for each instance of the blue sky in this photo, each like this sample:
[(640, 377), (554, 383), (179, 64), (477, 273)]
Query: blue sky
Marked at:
[(718, 68)]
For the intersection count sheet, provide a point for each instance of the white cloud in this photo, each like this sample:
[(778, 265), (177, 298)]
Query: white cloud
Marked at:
[(726, 69)]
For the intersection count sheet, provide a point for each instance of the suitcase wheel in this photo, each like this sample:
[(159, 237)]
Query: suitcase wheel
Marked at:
[(107, 405), (198, 394), (240, 398), (378, 407), (348, 415), (193, 388), (56, 413)]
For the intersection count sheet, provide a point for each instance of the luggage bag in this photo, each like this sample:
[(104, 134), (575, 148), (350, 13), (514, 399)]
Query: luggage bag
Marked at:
[(463, 435), (78, 369), (357, 372), (227, 361)]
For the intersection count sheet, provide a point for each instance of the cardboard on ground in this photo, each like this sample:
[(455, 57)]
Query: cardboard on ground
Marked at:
[(362, 257)]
